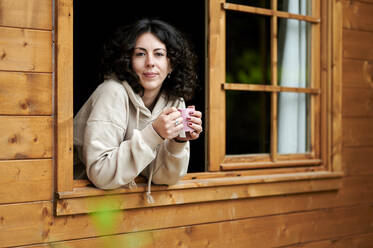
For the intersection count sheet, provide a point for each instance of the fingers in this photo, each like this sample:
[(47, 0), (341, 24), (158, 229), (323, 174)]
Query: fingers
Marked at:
[(169, 124), (196, 127)]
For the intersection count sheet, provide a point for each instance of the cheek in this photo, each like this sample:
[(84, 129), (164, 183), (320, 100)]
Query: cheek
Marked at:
[(135, 65)]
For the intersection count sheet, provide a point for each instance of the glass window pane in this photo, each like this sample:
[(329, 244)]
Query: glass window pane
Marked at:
[(253, 3), (294, 53), (247, 48), (293, 123), (300, 7), (247, 122)]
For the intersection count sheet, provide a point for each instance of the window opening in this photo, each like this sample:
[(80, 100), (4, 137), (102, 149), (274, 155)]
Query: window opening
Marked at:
[(94, 24)]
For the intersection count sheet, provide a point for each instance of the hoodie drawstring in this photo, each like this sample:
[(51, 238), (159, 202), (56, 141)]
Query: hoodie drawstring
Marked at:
[(149, 197)]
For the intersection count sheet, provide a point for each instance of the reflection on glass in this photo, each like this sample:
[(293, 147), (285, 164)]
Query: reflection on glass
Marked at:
[(300, 7), (294, 53), (247, 122), (247, 48), (253, 3), (293, 123)]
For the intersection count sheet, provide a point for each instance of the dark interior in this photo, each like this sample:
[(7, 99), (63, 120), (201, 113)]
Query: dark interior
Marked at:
[(94, 21)]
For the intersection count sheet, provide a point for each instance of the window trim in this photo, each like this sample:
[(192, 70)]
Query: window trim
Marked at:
[(267, 182)]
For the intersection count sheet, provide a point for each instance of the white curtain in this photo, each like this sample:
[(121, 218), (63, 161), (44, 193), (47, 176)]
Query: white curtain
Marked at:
[(293, 57)]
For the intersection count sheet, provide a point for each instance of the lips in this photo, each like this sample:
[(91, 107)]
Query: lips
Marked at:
[(150, 74)]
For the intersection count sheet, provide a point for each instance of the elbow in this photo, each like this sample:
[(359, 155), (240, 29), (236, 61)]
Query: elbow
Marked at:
[(101, 178)]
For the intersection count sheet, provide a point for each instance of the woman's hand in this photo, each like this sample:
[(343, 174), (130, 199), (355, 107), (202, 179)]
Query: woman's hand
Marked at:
[(195, 122), (169, 123)]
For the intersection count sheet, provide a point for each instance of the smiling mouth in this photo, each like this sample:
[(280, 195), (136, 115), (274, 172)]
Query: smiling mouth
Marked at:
[(150, 74)]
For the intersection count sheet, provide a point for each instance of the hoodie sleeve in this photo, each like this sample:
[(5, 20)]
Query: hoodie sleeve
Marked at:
[(110, 160), (172, 160)]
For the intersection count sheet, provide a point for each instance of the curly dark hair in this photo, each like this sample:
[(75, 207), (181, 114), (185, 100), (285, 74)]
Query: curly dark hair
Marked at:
[(118, 50)]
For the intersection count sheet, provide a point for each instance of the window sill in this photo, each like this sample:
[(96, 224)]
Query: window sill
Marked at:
[(91, 199)]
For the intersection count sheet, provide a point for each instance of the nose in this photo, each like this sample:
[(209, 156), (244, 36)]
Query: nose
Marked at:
[(149, 60)]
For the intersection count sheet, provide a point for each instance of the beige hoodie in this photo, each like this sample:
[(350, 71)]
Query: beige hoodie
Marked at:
[(115, 139)]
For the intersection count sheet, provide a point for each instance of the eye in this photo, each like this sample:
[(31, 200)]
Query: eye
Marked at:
[(160, 54), (139, 54)]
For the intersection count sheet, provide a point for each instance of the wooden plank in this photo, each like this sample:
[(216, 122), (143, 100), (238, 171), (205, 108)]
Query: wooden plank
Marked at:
[(36, 246), (25, 50), (357, 15), (357, 102), (269, 164), (357, 132), (175, 197), (64, 95), (358, 161), (360, 241), (335, 140), (268, 231), (357, 44), (84, 226), (26, 137), (357, 73), (26, 180), (25, 93), (269, 12), (207, 182), (35, 14), (216, 76), (268, 88), (26, 223)]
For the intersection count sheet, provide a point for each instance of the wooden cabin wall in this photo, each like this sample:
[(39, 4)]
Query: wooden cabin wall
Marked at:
[(340, 219)]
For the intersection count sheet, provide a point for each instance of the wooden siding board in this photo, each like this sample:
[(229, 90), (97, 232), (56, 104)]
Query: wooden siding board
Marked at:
[(357, 102), (340, 205), (357, 241), (357, 15), (357, 73), (26, 223), (357, 161), (25, 180), (80, 226), (25, 50), (268, 231), (357, 132), (357, 44), (35, 14), (25, 93), (25, 137)]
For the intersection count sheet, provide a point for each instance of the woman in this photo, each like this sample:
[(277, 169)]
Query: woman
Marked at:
[(131, 124)]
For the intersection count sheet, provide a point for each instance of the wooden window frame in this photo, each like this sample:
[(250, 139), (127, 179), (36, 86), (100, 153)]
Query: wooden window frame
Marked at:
[(218, 86), (75, 197)]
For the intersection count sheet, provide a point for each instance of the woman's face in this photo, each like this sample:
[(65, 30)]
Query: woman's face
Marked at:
[(150, 62)]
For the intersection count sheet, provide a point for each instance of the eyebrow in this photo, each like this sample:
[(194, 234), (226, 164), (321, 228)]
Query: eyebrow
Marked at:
[(141, 48)]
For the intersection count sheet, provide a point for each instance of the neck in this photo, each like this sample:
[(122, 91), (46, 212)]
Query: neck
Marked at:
[(149, 99)]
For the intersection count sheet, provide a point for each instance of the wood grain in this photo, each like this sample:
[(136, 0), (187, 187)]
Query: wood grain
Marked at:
[(357, 15), (26, 137), (64, 95), (26, 180), (25, 50), (25, 93), (26, 223), (357, 45), (271, 231), (357, 132), (357, 73), (36, 14), (357, 102)]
